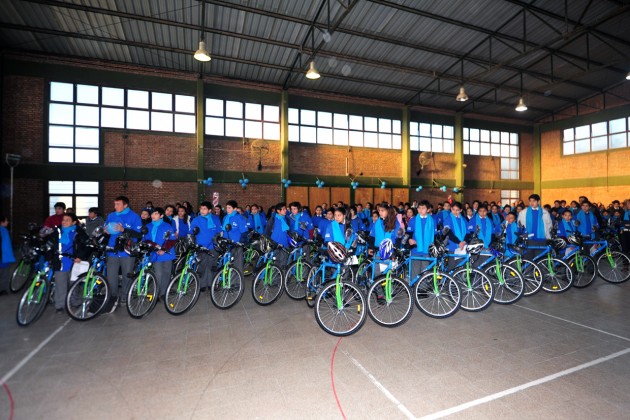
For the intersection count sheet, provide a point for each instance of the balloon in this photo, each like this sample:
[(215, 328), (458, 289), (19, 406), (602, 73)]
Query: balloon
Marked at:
[(284, 180)]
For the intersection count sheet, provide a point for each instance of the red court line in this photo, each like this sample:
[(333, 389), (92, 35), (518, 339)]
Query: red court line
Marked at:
[(332, 378), (6, 388)]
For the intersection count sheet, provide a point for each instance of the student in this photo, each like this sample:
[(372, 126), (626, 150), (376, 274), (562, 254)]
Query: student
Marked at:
[(566, 226), (161, 233), (496, 216), (537, 221), (235, 229), (71, 250), (336, 229), (145, 216), (458, 229), (169, 213), (318, 216), (93, 220), (299, 221), (6, 255), (485, 225), (422, 229), (386, 226), (181, 222), (209, 226), (256, 221), (355, 222), (122, 220), (588, 221), (54, 220), (511, 232), (277, 229)]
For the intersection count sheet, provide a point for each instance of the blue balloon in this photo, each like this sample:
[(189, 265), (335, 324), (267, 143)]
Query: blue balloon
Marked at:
[(289, 181), (284, 180), (247, 180), (382, 187)]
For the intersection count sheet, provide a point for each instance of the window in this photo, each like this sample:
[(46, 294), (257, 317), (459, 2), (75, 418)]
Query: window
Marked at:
[(242, 119), (509, 197), (80, 195), (596, 137), (77, 112), (426, 137), (495, 143), (323, 127)]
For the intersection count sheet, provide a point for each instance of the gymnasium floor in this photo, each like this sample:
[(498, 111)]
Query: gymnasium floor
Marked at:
[(548, 356)]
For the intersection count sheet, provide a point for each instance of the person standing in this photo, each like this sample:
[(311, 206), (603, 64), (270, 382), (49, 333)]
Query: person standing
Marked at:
[(256, 220), (54, 220), (235, 228), (161, 233), (208, 225), (93, 220), (6, 255), (71, 250)]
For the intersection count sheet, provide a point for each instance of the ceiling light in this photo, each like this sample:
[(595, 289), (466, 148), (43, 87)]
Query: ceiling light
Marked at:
[(461, 96), (312, 72), (202, 54), (628, 76), (520, 106)]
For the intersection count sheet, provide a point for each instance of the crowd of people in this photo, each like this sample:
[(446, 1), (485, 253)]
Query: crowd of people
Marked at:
[(337, 222)]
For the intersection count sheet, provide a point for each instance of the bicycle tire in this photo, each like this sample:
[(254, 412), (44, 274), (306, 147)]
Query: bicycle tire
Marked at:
[(345, 321), (442, 304), (617, 274), (512, 288), (479, 295), (560, 281), (313, 286), (391, 313), (587, 275), (84, 308), (363, 276), (532, 276), (141, 304), (249, 267), (20, 275), (29, 310), (295, 281), (266, 294), (225, 296), (178, 303)]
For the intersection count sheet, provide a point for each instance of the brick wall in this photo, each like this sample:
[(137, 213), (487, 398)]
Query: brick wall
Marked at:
[(149, 150), (265, 195), (232, 155), (139, 192), (29, 203)]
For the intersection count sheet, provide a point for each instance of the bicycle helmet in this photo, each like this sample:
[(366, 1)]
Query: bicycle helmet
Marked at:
[(575, 239), (264, 245), (220, 243), (386, 249), (293, 239), (436, 249), (474, 247), (337, 252), (559, 243)]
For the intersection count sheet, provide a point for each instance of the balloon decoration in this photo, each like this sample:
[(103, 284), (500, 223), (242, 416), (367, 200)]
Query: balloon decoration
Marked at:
[(383, 184), (244, 181), (354, 184), (419, 188), (320, 184), (443, 188), (286, 182), (457, 190), (207, 181)]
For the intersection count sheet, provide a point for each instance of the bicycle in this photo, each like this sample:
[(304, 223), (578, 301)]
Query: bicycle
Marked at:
[(227, 287), (298, 268), (582, 265), (267, 286), (323, 272), (612, 266), (24, 269), (556, 275), (184, 289), (90, 293), (143, 291), (251, 254)]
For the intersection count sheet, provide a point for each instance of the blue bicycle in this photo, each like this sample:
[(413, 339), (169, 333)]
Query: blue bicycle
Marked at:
[(227, 287), (268, 283)]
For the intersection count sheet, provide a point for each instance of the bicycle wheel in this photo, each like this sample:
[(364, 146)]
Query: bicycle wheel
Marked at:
[(363, 276), (20, 275), (340, 315), (557, 278), (87, 297), (389, 312), (296, 278), (314, 283), (478, 295), (511, 289), (227, 292), (587, 272), (531, 274), (251, 258), (33, 302), (615, 269), (439, 298), (267, 287), (182, 293), (142, 296)]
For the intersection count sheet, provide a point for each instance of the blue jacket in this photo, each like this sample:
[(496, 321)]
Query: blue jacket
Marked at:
[(6, 256), (393, 235), (294, 222), (251, 223), (66, 246), (277, 230), (129, 221), (206, 233), (157, 233), (238, 231), (182, 227)]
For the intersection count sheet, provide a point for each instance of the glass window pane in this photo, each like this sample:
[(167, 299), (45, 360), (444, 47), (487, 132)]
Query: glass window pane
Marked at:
[(341, 121), (307, 117), (449, 132), (505, 163), (85, 156), (61, 188), (384, 125), (271, 131), (505, 174), (137, 120), (466, 134), (324, 119), (370, 140), (60, 155), (185, 103), (113, 117), (83, 203), (474, 134), (294, 133), (396, 127), (385, 141), (60, 136), (308, 134), (495, 137), (86, 137), (514, 174), (568, 148), (86, 187), (425, 144), (583, 132), (185, 123), (599, 129), (61, 114), (436, 145), (272, 113), (214, 126), (413, 129), (599, 143), (514, 151), (253, 112), (466, 147), (138, 99), (485, 149), (425, 130), (113, 96), (449, 146), (214, 107), (514, 164), (414, 144), (396, 141), (474, 148), (505, 150), (371, 124), (340, 137), (505, 137), (324, 136), (233, 128), (618, 141), (161, 121), (53, 199), (495, 149), (582, 146), (253, 129), (513, 138), (356, 122), (87, 94), (61, 92), (484, 135), (233, 109), (87, 115), (294, 116), (617, 126), (436, 130), (356, 138), (568, 135), (161, 101)]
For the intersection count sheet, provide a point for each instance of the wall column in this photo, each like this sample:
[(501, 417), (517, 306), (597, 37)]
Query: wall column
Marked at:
[(459, 154), (201, 130), (537, 163), (406, 149), (284, 140)]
